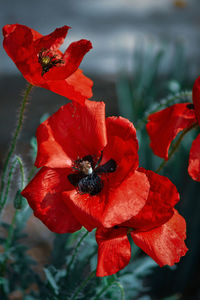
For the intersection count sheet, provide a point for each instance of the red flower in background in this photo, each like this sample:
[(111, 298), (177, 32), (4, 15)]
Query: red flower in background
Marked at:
[(163, 127), (42, 64), (89, 171), (157, 229)]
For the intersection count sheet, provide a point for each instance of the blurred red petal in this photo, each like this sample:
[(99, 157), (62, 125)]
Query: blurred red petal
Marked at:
[(44, 195), (114, 251), (163, 126), (165, 244), (194, 160), (196, 98), (73, 131)]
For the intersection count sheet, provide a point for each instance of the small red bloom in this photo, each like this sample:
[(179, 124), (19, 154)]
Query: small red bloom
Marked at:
[(163, 127), (42, 64), (157, 229), (89, 170)]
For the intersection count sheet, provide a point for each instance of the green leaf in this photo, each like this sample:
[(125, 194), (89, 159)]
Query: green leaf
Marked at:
[(51, 281)]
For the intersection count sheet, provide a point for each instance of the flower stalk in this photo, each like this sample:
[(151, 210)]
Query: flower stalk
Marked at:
[(13, 144)]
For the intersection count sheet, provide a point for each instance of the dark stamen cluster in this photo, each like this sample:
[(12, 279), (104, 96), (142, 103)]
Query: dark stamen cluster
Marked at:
[(87, 180), (48, 60), (190, 106)]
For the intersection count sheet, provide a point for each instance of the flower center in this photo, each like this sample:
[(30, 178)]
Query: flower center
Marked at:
[(190, 106), (48, 60), (88, 178), (85, 167)]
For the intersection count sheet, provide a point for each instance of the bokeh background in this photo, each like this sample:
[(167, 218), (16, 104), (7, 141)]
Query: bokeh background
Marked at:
[(143, 51)]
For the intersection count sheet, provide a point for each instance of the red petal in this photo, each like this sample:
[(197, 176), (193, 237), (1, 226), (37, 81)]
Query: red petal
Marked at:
[(196, 98), (76, 87), (163, 126), (44, 195), (18, 43), (72, 58), (112, 206), (114, 250), (73, 131), (194, 160), (51, 41), (165, 244), (122, 146), (158, 209)]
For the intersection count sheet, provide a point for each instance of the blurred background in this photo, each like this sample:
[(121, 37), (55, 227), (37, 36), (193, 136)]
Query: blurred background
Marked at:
[(145, 52)]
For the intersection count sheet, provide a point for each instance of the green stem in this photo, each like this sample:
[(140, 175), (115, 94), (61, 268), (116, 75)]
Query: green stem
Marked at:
[(106, 287), (32, 173), (11, 229), (175, 146), (10, 175), (14, 139), (76, 251), (8, 244), (120, 286), (83, 285), (21, 167)]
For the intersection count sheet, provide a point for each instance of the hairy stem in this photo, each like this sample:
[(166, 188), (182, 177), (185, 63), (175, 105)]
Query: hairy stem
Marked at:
[(14, 140), (106, 287), (76, 251), (83, 285), (10, 175)]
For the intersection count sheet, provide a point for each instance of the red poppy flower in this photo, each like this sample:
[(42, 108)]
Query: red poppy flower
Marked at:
[(89, 170), (157, 229), (42, 64), (163, 127)]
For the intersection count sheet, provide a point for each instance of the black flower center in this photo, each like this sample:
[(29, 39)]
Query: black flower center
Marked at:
[(48, 60), (88, 178), (190, 106)]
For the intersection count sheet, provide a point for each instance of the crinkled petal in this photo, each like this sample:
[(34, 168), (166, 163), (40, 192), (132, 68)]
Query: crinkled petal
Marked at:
[(196, 98), (165, 244), (112, 206), (194, 160), (163, 126), (44, 195), (73, 132), (51, 41), (114, 251), (76, 87), (122, 146), (18, 43), (159, 207), (71, 58)]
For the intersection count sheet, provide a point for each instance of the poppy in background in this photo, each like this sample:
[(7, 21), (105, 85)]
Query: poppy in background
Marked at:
[(163, 126), (42, 64)]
